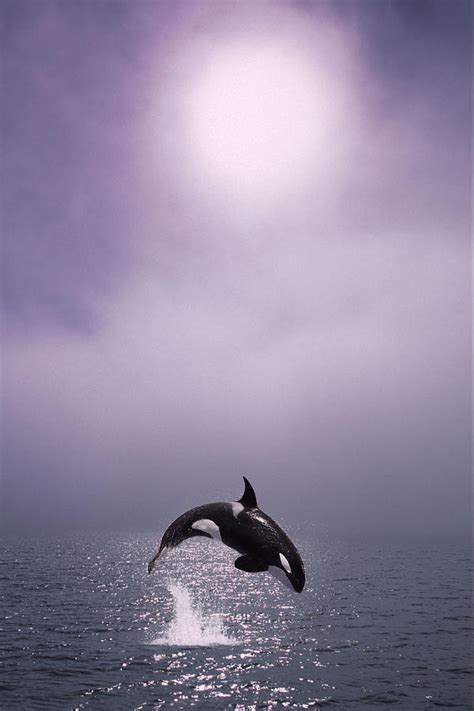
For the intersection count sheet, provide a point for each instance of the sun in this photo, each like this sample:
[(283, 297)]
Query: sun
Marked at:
[(256, 118)]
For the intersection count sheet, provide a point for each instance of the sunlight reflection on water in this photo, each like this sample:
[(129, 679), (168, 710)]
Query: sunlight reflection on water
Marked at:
[(85, 627)]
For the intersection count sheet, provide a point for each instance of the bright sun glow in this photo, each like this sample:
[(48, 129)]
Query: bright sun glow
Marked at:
[(258, 116)]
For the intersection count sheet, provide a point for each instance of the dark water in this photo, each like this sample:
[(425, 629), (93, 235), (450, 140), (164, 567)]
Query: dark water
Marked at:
[(84, 627)]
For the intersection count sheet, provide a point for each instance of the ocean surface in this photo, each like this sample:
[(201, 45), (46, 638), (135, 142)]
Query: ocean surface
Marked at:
[(82, 626)]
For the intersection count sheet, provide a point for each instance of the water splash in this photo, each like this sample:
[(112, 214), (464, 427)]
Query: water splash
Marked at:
[(190, 627)]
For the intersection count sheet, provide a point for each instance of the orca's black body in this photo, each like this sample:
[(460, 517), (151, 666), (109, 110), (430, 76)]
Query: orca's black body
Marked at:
[(241, 525)]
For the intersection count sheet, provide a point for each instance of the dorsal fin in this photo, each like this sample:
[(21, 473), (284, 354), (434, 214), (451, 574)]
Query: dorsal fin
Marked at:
[(249, 500)]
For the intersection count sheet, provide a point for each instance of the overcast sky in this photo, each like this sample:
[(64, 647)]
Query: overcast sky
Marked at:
[(282, 291)]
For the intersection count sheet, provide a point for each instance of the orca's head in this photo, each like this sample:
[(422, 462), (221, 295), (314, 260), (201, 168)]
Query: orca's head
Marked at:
[(289, 570), (298, 580)]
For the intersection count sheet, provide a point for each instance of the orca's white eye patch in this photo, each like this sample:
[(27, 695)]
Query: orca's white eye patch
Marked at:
[(285, 564), (206, 525)]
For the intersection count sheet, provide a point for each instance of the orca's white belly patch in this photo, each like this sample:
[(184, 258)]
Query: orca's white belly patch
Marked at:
[(206, 525)]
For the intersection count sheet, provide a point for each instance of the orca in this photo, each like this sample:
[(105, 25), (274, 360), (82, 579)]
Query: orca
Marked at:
[(242, 526)]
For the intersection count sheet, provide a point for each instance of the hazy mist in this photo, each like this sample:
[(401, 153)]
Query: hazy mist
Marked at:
[(164, 334)]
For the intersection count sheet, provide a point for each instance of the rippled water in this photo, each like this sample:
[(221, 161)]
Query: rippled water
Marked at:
[(84, 627)]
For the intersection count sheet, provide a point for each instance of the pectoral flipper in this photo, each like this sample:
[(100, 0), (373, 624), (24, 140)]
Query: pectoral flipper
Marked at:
[(250, 564)]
